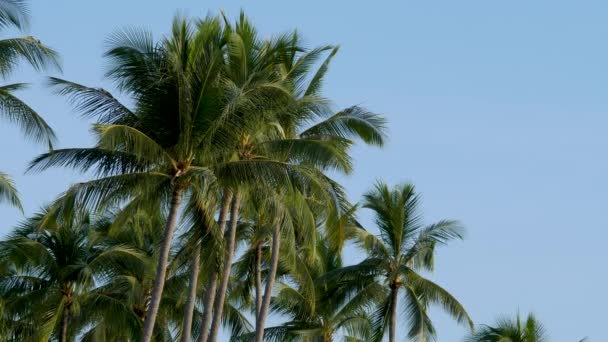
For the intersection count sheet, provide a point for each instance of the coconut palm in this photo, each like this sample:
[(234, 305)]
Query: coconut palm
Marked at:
[(315, 309), (51, 270), (167, 146), (404, 248), (14, 14), (116, 305), (511, 330), (136, 156), (231, 137), (310, 134), (268, 140)]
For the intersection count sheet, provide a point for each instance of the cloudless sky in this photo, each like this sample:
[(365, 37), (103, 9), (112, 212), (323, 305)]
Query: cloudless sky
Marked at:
[(497, 113)]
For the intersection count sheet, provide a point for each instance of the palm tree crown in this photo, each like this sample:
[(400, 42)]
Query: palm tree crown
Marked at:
[(404, 248), (511, 330)]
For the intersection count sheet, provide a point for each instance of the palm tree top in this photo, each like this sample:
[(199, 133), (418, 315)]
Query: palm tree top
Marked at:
[(507, 329)]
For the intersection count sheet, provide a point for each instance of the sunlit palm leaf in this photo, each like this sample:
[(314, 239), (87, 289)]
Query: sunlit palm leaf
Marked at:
[(353, 122), (39, 56)]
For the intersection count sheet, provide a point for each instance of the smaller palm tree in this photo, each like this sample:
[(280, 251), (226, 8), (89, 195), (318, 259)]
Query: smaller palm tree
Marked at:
[(319, 310), (404, 248), (511, 330), (116, 306), (49, 272)]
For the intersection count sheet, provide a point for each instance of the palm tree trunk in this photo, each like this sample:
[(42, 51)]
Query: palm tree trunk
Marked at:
[(258, 279), (211, 285), (65, 321), (208, 305), (191, 301), (161, 268), (393, 315), (225, 279), (274, 264)]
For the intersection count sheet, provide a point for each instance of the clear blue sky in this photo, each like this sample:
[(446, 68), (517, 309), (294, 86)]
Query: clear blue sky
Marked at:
[(497, 111)]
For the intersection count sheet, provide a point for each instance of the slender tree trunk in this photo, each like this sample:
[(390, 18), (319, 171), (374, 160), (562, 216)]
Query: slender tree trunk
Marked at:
[(191, 301), (211, 290), (65, 322), (211, 286), (258, 279), (393, 315), (274, 264), (161, 268), (225, 279)]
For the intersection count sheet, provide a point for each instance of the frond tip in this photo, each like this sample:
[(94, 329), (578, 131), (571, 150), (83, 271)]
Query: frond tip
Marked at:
[(18, 112), (8, 192)]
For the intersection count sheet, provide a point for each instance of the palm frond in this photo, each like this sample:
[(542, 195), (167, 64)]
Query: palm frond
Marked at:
[(435, 294), (130, 140), (105, 162), (14, 13), (350, 123), (314, 86), (420, 254), (380, 319), (134, 60), (92, 102), (18, 112), (8, 192), (421, 327), (322, 154), (30, 49)]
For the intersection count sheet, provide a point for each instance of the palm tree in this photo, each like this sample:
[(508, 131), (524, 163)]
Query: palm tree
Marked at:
[(404, 248), (511, 330), (116, 305), (14, 14), (267, 139), (146, 152), (140, 153), (50, 272), (155, 149), (321, 145), (186, 131), (318, 310)]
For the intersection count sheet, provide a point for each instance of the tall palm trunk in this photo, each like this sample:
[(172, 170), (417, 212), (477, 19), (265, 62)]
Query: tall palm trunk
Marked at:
[(191, 301), (393, 312), (211, 290), (258, 278), (274, 264), (225, 279), (211, 285), (161, 268), (328, 336), (65, 322)]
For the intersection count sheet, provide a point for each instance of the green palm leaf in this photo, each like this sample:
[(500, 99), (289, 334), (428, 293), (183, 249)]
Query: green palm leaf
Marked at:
[(8, 192), (92, 102), (29, 48), (351, 122), (16, 111), (435, 294)]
